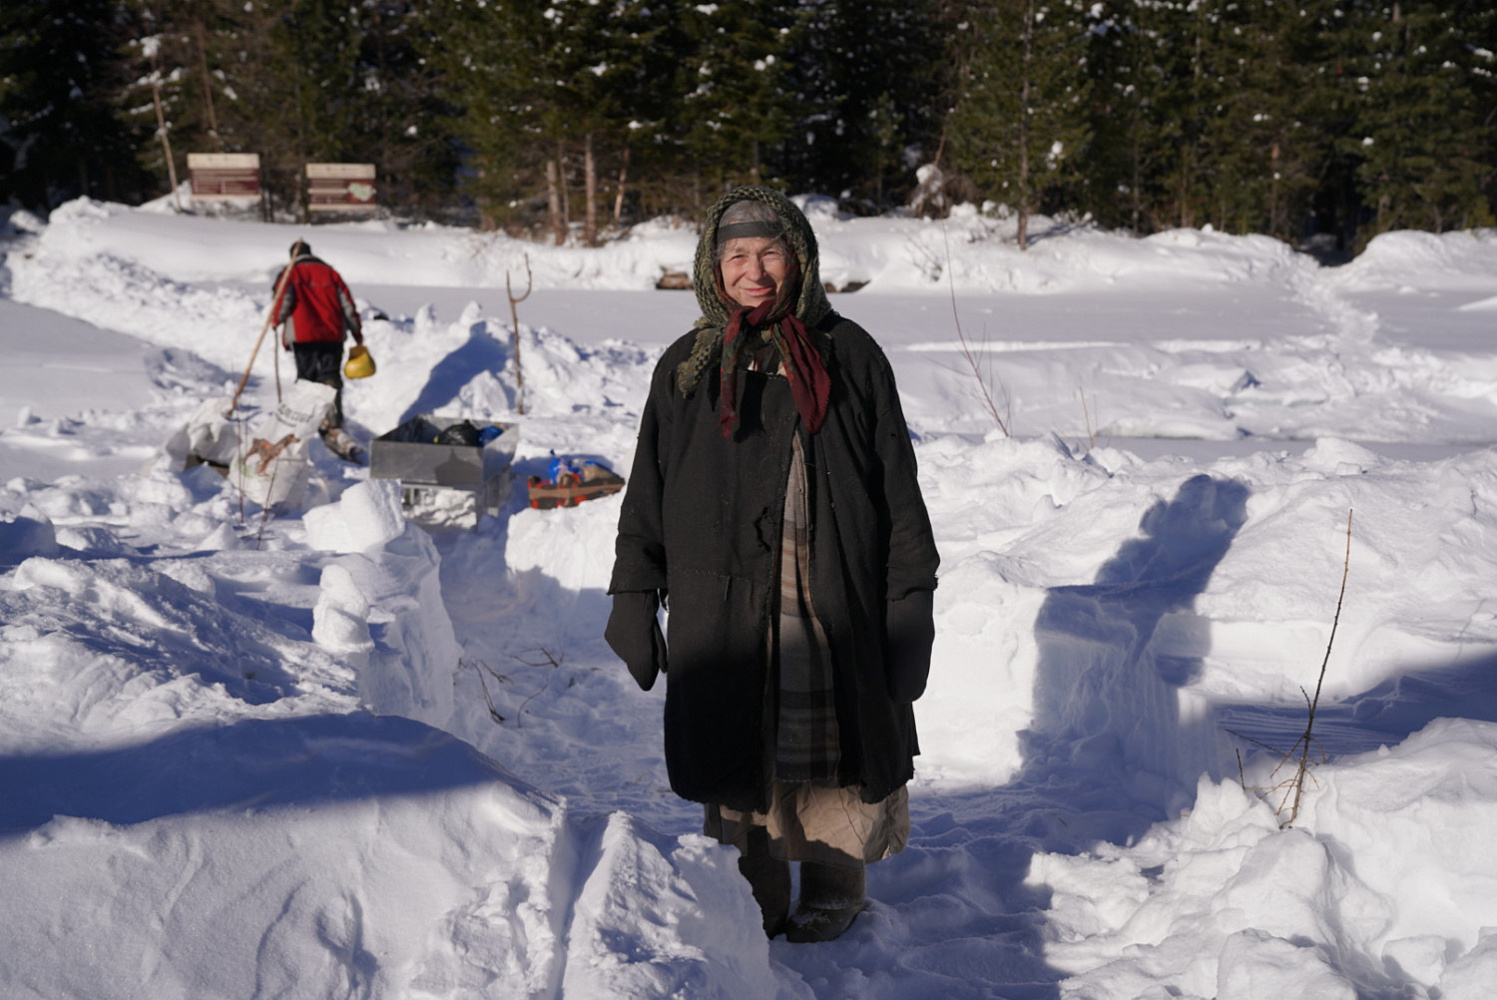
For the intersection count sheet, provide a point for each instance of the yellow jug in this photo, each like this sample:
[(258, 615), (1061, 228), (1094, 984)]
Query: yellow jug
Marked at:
[(360, 362)]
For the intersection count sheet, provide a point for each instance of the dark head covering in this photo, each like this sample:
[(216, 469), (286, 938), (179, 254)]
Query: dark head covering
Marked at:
[(726, 328), (301, 248), (747, 219)]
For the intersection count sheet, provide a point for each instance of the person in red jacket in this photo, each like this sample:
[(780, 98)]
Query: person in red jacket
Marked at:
[(315, 313)]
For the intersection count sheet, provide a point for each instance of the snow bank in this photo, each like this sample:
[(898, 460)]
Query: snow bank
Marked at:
[(658, 920), (317, 856), (1384, 886), (200, 804), (1133, 605), (976, 252), (573, 545), (1407, 261), (348, 855)]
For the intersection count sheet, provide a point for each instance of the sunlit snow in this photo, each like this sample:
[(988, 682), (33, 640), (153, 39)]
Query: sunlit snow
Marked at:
[(324, 752)]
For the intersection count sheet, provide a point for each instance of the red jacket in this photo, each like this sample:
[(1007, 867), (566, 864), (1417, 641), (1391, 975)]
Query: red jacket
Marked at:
[(316, 306)]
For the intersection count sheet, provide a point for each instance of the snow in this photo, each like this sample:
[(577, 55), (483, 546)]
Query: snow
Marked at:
[(324, 752)]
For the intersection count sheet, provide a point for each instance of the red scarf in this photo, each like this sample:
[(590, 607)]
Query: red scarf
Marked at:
[(810, 385)]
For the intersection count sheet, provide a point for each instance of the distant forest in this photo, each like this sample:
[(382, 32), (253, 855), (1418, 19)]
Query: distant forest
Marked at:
[(1317, 122)]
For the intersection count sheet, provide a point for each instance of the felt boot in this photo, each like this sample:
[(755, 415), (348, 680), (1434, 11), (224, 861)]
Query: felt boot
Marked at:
[(831, 897), (769, 878)]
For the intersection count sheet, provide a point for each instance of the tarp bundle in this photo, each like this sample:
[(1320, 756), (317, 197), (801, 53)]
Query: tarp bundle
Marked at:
[(208, 436)]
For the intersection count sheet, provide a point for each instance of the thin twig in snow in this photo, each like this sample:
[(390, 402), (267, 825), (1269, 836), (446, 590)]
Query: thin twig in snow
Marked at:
[(971, 355), (1304, 741)]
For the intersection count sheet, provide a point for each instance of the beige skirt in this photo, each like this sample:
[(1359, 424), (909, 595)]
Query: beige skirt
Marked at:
[(807, 822)]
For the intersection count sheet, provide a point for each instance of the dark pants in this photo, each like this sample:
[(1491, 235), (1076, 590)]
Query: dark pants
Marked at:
[(323, 362)]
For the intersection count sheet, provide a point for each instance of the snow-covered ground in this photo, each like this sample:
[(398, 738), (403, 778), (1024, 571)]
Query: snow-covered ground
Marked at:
[(331, 754)]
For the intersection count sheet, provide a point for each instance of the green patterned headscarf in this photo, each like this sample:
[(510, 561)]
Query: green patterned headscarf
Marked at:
[(810, 305)]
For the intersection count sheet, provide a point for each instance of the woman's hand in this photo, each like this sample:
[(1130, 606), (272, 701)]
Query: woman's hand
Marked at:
[(633, 632), (909, 631)]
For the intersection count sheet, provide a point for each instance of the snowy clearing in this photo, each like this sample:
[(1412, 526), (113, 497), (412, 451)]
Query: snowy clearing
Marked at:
[(329, 753)]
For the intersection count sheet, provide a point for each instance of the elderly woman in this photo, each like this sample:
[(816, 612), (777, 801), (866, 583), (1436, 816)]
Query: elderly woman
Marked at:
[(774, 500)]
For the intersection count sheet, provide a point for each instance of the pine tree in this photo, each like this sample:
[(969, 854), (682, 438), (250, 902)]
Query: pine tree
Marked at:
[(736, 109), (543, 87), (280, 78), (1020, 121), (1262, 149), (866, 86), (493, 75), (403, 113), (1424, 134), (1148, 84), (62, 71)]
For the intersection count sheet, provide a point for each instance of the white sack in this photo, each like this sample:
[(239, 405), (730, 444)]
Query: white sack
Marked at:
[(272, 468)]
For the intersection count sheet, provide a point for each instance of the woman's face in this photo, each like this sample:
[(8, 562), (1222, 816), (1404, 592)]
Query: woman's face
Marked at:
[(753, 268)]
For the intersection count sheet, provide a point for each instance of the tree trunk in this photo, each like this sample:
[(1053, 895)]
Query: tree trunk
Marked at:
[(207, 85), (166, 145), (618, 197), (566, 195), (590, 180), (553, 204), (1022, 237), (1277, 221)]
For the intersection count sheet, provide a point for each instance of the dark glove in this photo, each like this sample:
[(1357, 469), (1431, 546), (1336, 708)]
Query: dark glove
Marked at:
[(909, 630), (633, 632)]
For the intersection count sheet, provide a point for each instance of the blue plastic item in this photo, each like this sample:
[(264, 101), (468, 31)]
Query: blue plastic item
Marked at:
[(563, 469)]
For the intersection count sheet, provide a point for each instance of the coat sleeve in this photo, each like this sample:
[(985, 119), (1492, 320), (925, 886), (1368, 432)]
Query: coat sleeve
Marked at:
[(639, 552), (351, 321), (913, 558), (287, 303)]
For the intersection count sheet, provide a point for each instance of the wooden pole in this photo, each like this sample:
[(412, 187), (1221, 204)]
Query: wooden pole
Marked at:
[(275, 305), (171, 166), (514, 339)]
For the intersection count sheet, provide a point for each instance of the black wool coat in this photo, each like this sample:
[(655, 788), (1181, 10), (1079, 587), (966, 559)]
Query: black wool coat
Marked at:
[(702, 518)]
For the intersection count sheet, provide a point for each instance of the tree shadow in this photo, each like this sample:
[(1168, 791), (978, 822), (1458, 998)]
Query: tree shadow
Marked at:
[(1384, 715)]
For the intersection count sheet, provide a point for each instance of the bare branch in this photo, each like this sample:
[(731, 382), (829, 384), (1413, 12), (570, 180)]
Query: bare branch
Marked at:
[(971, 356), (1304, 763)]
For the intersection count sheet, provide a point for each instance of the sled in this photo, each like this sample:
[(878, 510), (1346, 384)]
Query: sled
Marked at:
[(571, 488), (446, 480)]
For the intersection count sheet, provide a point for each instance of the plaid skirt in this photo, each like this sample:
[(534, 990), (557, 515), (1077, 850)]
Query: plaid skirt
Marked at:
[(809, 818)]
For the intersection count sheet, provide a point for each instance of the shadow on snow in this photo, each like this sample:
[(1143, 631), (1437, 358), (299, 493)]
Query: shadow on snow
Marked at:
[(254, 764), (1097, 765), (481, 352)]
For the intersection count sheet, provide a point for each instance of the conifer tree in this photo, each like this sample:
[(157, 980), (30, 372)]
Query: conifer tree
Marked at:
[(281, 76), (866, 87), (402, 108), (1020, 120), (62, 72), (494, 77), (1261, 146), (1151, 85), (542, 84), (736, 109), (1424, 134)]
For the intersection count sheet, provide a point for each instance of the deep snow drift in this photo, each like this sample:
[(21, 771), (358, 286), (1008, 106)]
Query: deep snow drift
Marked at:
[(329, 753)]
